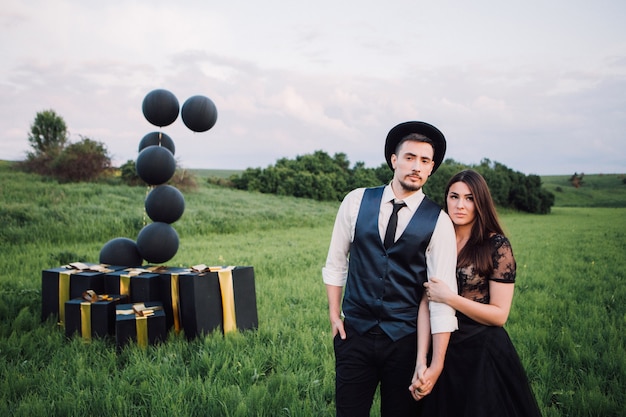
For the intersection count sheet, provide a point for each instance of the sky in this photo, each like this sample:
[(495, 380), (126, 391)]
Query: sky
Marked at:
[(539, 86)]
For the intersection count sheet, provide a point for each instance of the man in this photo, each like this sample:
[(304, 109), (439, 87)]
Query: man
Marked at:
[(376, 342)]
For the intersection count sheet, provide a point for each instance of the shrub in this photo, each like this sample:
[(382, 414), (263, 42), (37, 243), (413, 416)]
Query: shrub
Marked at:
[(85, 160)]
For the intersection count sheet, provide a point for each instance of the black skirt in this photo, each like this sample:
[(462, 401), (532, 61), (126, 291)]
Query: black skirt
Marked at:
[(482, 377)]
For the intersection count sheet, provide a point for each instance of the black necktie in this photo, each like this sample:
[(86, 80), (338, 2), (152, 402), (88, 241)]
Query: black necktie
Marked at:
[(390, 234)]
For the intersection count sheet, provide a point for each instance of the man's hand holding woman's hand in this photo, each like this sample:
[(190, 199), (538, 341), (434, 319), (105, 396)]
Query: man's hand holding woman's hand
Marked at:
[(421, 385)]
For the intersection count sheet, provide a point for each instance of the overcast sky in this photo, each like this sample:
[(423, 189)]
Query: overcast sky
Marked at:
[(539, 86)]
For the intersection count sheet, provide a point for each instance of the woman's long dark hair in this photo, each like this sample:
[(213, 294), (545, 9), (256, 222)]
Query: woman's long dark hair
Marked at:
[(477, 250)]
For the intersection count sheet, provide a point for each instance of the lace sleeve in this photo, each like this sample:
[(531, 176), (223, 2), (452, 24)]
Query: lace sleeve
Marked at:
[(504, 266)]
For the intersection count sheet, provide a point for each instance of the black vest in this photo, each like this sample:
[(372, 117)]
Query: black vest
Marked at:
[(385, 287)]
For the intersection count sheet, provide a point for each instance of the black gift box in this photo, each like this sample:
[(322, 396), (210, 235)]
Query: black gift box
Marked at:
[(139, 284), (56, 290), (133, 327), (202, 300), (200, 303), (170, 293), (101, 314)]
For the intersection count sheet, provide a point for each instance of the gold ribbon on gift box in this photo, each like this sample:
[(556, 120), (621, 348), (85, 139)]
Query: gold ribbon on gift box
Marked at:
[(85, 320), (174, 294), (175, 298), (125, 279), (64, 282), (225, 276), (89, 298), (141, 313), (64, 293)]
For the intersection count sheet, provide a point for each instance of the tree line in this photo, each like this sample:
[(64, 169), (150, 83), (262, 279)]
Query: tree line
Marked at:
[(321, 177)]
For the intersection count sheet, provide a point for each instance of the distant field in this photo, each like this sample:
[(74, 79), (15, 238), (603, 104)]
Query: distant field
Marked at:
[(597, 190), (216, 173)]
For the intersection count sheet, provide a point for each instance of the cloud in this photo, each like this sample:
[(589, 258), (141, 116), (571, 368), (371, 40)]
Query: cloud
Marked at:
[(511, 84)]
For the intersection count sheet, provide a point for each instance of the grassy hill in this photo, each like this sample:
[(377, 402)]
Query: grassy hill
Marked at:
[(597, 190)]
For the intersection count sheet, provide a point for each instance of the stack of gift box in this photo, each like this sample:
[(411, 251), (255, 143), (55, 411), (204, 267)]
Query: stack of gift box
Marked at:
[(142, 304)]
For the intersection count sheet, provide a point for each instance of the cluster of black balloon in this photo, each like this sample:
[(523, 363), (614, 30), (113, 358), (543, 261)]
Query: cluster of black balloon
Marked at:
[(157, 242)]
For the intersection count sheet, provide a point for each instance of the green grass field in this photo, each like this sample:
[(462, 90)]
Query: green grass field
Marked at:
[(568, 319), (602, 190)]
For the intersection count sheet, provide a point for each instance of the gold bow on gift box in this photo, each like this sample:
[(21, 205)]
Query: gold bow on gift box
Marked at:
[(125, 279), (64, 282), (82, 267), (141, 313), (174, 291), (89, 298)]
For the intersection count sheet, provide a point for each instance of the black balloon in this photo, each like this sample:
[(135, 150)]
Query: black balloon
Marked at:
[(165, 204), (121, 251), (157, 242), (199, 113), (155, 165), (160, 107), (158, 139)]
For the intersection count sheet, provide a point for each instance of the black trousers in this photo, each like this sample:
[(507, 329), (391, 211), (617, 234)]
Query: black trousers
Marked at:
[(362, 362)]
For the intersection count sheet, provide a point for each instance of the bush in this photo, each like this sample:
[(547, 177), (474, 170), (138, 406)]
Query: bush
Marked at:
[(86, 160), (316, 176), (128, 174)]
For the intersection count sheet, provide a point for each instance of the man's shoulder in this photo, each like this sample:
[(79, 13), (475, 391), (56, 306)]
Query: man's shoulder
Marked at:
[(358, 192)]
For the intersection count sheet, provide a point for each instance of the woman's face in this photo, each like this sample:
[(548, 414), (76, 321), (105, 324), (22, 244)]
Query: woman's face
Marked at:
[(460, 203)]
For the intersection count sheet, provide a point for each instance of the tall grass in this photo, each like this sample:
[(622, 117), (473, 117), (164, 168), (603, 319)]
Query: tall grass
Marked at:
[(568, 319)]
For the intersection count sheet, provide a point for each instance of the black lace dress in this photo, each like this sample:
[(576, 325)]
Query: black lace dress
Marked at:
[(483, 375)]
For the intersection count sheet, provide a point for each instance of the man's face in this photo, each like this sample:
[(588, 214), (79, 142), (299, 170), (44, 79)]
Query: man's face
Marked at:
[(412, 165)]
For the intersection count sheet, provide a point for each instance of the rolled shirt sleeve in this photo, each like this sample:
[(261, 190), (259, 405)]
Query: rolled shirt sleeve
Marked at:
[(441, 263)]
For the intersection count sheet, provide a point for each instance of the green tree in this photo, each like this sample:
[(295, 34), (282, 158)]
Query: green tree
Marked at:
[(48, 134), (360, 176), (383, 173), (436, 184), (128, 173)]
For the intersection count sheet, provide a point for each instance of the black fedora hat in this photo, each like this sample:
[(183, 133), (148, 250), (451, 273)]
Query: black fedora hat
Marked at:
[(400, 131)]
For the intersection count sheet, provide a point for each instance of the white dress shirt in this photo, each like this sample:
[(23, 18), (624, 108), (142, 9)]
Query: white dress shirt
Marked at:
[(440, 253)]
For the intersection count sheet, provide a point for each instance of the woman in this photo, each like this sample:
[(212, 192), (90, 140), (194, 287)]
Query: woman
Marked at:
[(483, 375)]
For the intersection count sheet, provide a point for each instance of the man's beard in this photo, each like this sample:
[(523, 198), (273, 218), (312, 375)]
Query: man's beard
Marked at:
[(409, 187)]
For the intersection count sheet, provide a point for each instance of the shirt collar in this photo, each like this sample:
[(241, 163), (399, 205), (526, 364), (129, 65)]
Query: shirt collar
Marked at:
[(412, 202)]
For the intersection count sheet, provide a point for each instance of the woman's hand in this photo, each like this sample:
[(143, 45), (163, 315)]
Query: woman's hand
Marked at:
[(421, 385), (438, 291)]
